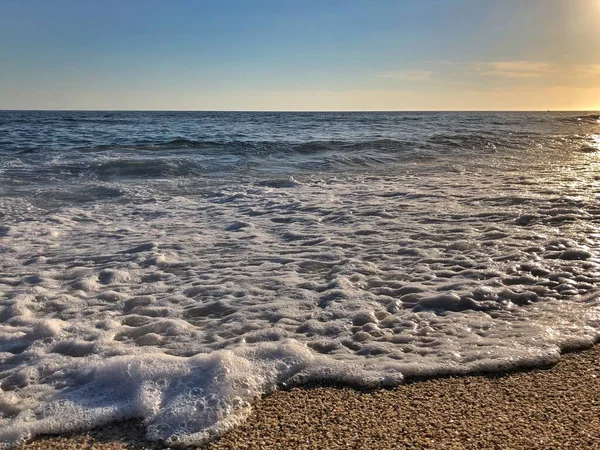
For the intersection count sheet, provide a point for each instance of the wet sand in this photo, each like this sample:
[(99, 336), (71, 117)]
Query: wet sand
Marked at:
[(554, 408)]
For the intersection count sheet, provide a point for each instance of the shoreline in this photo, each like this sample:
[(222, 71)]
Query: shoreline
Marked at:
[(556, 407)]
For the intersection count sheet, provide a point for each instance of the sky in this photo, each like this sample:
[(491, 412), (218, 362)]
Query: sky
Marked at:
[(300, 55)]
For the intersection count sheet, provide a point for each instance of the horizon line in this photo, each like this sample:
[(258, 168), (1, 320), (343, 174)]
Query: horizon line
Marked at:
[(299, 110)]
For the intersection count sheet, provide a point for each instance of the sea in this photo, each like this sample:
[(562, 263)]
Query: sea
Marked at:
[(174, 267)]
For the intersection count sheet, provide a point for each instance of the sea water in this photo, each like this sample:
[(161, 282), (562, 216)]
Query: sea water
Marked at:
[(174, 267)]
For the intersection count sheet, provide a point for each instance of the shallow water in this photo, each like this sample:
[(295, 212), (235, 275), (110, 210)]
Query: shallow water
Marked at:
[(176, 266)]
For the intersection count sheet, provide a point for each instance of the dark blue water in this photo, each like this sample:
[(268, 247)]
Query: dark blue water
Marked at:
[(45, 147)]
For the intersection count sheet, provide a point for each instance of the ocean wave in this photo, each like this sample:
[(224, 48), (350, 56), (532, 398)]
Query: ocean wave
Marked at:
[(257, 147), (186, 158), (584, 119), (177, 269)]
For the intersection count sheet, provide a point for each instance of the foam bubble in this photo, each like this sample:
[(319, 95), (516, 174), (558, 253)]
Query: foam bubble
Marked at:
[(46, 328)]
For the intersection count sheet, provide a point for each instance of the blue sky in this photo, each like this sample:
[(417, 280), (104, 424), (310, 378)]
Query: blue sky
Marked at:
[(300, 55)]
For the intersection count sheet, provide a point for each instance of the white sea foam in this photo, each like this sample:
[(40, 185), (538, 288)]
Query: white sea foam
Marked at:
[(181, 303)]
